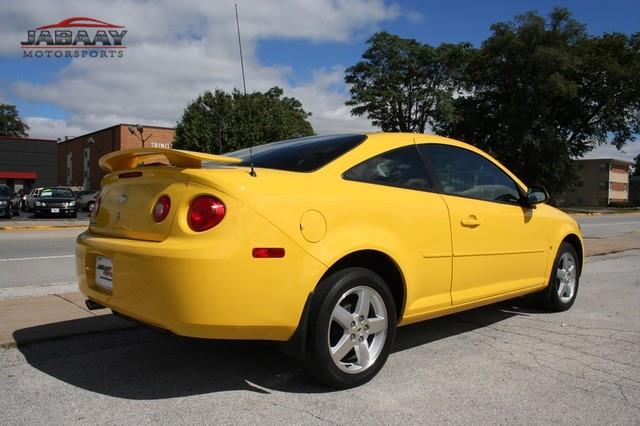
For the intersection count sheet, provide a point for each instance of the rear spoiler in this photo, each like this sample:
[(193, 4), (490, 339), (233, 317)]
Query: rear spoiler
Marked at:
[(130, 158)]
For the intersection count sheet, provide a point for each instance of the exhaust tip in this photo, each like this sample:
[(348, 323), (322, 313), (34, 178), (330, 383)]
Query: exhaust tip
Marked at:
[(92, 306)]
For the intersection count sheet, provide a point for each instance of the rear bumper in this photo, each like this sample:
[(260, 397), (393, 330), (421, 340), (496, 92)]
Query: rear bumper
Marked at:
[(207, 291), (46, 211)]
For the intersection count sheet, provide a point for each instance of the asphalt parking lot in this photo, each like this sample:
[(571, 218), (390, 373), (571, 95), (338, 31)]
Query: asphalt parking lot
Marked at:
[(502, 364)]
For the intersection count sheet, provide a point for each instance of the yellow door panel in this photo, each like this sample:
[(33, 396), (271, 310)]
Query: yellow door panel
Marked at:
[(497, 248)]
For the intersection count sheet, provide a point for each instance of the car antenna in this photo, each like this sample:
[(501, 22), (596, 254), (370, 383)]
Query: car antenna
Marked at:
[(244, 86)]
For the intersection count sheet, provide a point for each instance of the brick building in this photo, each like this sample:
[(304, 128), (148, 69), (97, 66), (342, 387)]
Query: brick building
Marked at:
[(601, 182), (27, 163), (634, 190), (77, 157)]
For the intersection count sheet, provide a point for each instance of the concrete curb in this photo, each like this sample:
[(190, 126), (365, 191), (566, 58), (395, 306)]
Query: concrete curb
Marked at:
[(41, 227), (43, 224)]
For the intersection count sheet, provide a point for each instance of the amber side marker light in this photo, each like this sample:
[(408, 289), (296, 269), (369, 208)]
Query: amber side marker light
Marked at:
[(267, 252)]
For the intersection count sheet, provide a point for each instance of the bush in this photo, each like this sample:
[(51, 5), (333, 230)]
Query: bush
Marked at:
[(622, 204)]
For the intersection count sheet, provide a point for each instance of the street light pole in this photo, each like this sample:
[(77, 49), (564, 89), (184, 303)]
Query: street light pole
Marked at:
[(206, 108), (139, 135)]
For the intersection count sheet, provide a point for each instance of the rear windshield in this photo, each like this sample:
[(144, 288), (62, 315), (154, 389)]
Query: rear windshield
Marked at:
[(56, 193), (299, 155)]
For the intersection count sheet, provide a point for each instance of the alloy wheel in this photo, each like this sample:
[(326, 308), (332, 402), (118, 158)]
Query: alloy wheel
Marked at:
[(357, 329)]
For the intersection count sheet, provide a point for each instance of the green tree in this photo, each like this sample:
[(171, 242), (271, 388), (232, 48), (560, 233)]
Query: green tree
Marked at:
[(539, 93), (10, 122), (403, 85), (235, 121)]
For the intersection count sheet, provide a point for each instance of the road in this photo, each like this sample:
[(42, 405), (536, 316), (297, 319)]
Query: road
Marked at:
[(30, 258), (611, 224), (502, 364), (38, 257)]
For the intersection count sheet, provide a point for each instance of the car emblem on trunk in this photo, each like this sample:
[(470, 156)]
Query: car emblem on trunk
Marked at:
[(123, 198)]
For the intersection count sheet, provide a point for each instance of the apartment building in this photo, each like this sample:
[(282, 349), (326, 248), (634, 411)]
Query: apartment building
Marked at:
[(602, 182)]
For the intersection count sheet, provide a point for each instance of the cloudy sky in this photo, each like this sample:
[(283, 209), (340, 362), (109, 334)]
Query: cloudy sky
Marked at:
[(177, 49)]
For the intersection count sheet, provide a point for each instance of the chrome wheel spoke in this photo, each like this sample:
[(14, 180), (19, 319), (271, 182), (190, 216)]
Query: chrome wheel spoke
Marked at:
[(364, 302), (342, 317), (572, 272), (362, 353), (340, 350), (560, 287), (377, 325)]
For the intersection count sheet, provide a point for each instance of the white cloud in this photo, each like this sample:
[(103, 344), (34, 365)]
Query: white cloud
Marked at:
[(176, 50), (322, 97), (49, 128)]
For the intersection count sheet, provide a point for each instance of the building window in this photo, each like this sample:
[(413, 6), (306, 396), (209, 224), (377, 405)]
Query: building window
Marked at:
[(69, 168), (604, 167), (603, 185)]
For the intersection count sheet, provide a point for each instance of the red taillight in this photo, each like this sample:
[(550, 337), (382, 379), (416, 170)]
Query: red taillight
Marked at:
[(266, 252), (205, 212), (161, 209)]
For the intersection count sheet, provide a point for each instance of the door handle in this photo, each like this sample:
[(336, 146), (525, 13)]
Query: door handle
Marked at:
[(470, 222)]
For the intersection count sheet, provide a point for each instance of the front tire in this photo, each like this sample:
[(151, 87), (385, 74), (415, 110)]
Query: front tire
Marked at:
[(352, 327), (562, 290)]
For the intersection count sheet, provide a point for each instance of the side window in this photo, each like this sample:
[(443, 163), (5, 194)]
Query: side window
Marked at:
[(401, 167), (465, 173)]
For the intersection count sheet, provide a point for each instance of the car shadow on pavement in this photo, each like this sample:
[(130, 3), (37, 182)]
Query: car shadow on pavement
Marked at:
[(141, 363)]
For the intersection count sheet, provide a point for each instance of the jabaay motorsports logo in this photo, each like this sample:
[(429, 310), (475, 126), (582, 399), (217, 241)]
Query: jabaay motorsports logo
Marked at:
[(77, 37)]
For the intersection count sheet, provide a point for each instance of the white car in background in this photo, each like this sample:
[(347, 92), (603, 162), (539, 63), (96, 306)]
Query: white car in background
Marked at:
[(30, 200)]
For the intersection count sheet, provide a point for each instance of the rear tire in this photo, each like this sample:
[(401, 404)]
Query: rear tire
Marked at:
[(562, 290), (352, 327)]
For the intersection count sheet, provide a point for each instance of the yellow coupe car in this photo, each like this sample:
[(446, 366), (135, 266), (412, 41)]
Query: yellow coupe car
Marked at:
[(325, 243)]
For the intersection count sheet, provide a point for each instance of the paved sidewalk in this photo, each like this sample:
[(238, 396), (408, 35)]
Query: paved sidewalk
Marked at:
[(28, 319), (52, 317)]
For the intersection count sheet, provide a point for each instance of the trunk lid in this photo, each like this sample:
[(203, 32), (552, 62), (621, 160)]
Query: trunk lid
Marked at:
[(129, 193)]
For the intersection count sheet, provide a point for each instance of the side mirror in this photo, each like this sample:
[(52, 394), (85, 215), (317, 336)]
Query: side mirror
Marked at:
[(536, 195)]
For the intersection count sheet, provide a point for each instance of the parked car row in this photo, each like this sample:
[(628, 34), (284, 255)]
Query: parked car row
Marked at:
[(48, 201)]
